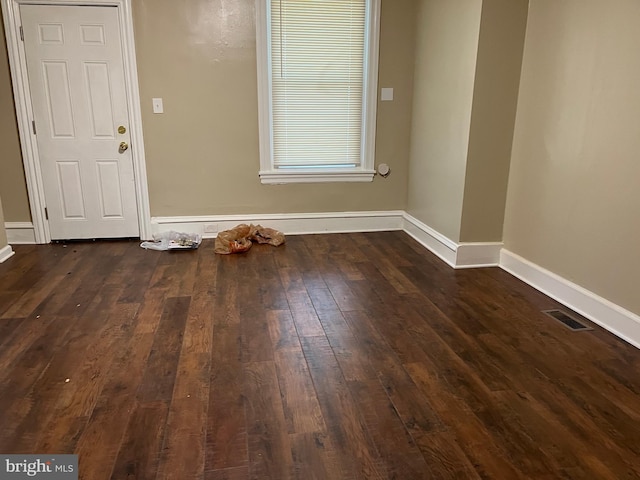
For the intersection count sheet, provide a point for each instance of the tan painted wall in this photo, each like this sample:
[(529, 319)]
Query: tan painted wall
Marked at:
[(495, 98), (573, 202), (202, 153), (3, 233), (445, 63), (12, 184)]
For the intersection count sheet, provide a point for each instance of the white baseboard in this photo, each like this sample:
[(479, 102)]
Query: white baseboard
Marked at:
[(479, 254), (433, 241), (612, 317), (20, 232), (6, 253), (456, 255), (288, 223)]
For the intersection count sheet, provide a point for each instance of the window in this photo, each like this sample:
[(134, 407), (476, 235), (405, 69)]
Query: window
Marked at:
[(317, 80)]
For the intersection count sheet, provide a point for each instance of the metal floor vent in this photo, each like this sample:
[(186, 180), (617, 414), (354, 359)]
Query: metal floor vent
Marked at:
[(567, 320)]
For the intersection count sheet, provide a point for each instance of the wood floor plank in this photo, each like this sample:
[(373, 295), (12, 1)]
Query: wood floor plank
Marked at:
[(272, 291), (116, 401), (282, 330), (322, 299), (355, 361), (482, 450), (37, 263), (226, 437), (70, 270), (183, 273), (269, 445), (226, 423), (402, 458), (9, 327), (42, 388), (21, 370), (29, 301), (78, 399), (415, 411), (147, 428), (566, 449), (299, 403), (304, 315), (552, 402), (256, 343), (31, 330), (315, 458), (135, 275), (444, 458), (138, 457), (159, 378), (233, 473), (185, 438), (341, 414)]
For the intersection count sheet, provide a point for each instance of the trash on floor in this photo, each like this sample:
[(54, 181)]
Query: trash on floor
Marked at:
[(173, 241), (239, 239)]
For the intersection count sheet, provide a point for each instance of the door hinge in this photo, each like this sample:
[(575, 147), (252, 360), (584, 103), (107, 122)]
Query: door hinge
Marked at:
[(46, 213), (21, 33), (33, 125)]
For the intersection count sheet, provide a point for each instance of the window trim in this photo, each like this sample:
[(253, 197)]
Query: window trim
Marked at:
[(366, 170)]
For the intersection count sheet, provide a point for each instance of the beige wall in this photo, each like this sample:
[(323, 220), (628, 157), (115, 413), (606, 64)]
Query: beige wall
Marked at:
[(502, 29), (12, 184), (202, 153), (573, 203), (445, 63)]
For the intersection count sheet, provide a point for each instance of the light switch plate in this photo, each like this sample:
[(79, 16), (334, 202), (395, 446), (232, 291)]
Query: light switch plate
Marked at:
[(157, 105), (386, 94)]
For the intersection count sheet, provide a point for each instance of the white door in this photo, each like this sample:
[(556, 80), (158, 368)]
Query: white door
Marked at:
[(76, 77)]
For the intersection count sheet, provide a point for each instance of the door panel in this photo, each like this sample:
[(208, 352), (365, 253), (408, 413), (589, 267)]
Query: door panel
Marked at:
[(110, 198), (51, 34), (76, 78), (70, 185), (58, 99), (97, 81)]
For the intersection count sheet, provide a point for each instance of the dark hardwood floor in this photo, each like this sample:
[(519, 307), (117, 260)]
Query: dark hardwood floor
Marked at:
[(331, 357)]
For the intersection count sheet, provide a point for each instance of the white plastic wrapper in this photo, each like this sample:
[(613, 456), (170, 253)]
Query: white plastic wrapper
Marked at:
[(173, 241)]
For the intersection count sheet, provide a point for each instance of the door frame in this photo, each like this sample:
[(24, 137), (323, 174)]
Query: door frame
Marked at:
[(24, 112)]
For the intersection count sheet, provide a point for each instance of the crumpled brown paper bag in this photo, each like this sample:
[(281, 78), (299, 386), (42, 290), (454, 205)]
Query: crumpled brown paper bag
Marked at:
[(239, 238)]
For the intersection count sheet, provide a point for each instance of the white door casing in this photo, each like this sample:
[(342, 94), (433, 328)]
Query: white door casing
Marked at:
[(91, 111)]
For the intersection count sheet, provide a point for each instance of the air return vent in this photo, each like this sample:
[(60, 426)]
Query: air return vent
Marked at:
[(567, 320)]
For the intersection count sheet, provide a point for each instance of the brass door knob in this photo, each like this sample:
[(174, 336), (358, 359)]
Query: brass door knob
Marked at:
[(123, 146)]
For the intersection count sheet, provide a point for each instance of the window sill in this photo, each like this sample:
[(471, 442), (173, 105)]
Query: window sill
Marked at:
[(272, 177)]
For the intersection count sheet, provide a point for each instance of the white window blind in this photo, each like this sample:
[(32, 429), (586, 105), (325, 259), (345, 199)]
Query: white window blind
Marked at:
[(317, 82)]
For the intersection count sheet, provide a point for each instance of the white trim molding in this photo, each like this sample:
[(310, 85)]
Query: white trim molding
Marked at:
[(6, 253), (20, 232), (456, 255), (434, 241), (276, 177), (24, 113), (478, 254), (599, 310), (288, 223)]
